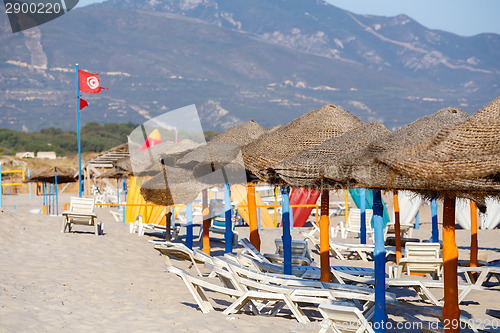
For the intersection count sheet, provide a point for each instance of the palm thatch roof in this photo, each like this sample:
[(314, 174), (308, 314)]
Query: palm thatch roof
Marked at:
[(309, 165), (467, 150), (149, 161), (225, 147), (304, 132), (172, 186), (64, 175), (189, 172)]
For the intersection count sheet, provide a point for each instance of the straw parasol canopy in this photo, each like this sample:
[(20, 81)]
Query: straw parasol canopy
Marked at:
[(304, 132), (351, 159), (467, 150), (225, 147), (123, 164), (174, 186), (201, 168), (64, 175), (309, 165), (358, 167), (115, 174), (148, 161)]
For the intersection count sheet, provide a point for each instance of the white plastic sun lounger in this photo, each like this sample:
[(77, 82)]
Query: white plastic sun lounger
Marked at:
[(422, 287), (197, 287), (345, 317), (81, 211), (484, 274), (179, 251)]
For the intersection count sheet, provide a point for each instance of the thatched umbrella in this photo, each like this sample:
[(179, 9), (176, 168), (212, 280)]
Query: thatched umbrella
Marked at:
[(304, 132), (307, 131), (308, 167), (172, 186), (123, 164), (47, 175), (448, 152), (350, 159), (149, 161), (114, 174), (219, 162), (186, 173), (54, 176), (468, 150), (224, 147)]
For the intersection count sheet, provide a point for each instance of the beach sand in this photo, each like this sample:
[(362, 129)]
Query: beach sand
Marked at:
[(78, 282)]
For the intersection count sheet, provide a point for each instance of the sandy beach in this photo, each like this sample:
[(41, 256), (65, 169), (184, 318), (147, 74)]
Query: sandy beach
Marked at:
[(79, 282)]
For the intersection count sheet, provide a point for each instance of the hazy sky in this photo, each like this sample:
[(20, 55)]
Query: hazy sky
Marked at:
[(462, 17)]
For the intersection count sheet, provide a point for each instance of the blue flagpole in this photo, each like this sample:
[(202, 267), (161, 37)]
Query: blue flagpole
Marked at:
[(380, 315), (362, 208), (228, 234), (189, 226), (29, 184), (53, 200), (50, 198), (43, 196), (287, 237), (79, 141), (57, 197), (125, 199)]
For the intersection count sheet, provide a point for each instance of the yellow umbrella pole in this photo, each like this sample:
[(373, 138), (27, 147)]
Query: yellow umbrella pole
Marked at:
[(473, 236), (324, 222), (451, 311)]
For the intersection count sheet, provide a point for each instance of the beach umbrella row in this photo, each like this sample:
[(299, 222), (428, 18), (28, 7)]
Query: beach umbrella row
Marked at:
[(329, 146)]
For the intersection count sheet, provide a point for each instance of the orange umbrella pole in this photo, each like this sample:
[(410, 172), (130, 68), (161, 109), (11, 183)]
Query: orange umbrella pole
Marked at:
[(324, 224), (473, 236), (206, 223), (397, 227), (451, 311), (252, 214)]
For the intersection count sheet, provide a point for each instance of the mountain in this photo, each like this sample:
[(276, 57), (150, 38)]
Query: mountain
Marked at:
[(267, 60)]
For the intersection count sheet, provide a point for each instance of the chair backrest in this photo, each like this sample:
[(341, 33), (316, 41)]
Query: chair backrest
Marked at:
[(253, 251), (345, 317), (81, 205), (354, 218), (299, 248), (217, 214), (422, 250)]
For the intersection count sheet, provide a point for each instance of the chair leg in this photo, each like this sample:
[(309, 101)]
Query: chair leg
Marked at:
[(325, 325), (296, 310), (64, 223), (237, 305)]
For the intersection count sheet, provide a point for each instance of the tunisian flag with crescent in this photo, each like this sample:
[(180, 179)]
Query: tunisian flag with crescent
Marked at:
[(89, 82)]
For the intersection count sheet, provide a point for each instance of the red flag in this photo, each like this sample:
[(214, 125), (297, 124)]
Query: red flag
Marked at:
[(83, 103), (89, 82)]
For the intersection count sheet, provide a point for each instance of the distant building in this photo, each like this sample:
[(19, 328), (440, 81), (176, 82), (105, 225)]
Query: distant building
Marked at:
[(51, 155), (26, 154)]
